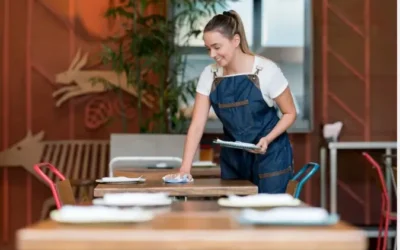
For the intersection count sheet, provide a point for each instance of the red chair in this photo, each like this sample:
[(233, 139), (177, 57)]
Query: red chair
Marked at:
[(52, 185), (386, 214)]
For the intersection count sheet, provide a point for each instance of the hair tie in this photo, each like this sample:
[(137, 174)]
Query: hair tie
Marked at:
[(235, 21), (227, 13)]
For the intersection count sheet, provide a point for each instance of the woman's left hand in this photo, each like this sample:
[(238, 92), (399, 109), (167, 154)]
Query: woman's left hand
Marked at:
[(263, 144)]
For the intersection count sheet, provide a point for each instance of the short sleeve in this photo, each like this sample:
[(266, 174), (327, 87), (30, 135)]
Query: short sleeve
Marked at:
[(205, 81), (277, 83)]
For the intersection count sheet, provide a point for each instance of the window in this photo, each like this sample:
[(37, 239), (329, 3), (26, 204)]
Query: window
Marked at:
[(282, 23), (243, 8), (276, 29)]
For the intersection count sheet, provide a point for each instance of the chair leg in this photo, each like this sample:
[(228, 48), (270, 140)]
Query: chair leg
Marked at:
[(386, 229), (47, 205), (378, 244)]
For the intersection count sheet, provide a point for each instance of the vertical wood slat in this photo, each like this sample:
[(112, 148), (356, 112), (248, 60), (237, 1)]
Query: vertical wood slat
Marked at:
[(63, 158), (70, 160), (54, 159), (71, 33), (5, 115), (103, 166), (367, 102), (94, 162), (85, 165), (77, 160), (78, 163), (28, 68), (325, 64)]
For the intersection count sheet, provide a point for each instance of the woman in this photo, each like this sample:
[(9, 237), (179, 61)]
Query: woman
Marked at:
[(242, 88)]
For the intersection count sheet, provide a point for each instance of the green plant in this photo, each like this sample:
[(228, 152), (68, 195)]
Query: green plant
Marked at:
[(147, 45)]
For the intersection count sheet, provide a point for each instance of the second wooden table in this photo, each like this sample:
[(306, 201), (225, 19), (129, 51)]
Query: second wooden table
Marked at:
[(198, 188)]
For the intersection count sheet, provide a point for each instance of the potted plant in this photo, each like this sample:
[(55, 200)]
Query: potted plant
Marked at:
[(145, 54)]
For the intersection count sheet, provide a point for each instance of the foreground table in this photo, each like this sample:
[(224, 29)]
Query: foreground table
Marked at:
[(190, 226), (198, 188)]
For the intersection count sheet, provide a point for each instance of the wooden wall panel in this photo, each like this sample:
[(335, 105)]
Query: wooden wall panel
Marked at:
[(383, 71), (359, 88)]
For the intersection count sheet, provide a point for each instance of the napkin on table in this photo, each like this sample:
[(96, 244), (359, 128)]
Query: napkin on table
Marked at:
[(286, 215), (178, 178), (134, 197), (261, 198), (122, 178), (70, 212)]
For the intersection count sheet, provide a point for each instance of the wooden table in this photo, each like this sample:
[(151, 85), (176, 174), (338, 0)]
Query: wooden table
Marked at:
[(157, 174), (198, 188), (191, 225)]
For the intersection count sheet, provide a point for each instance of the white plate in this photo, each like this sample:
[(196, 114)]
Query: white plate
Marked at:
[(260, 200), (94, 214), (120, 180), (203, 164), (132, 203)]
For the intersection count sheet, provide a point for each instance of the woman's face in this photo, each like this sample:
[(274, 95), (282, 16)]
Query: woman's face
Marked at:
[(220, 48)]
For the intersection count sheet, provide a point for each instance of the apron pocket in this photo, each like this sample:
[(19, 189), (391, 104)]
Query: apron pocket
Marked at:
[(236, 116)]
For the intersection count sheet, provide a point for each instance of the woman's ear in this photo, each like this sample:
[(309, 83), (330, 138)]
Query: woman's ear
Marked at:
[(236, 40)]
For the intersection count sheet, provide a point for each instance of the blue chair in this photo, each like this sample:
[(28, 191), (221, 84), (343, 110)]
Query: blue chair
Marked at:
[(295, 185)]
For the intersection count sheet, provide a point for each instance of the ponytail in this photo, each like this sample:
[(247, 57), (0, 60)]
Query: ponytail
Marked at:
[(244, 45), (229, 24)]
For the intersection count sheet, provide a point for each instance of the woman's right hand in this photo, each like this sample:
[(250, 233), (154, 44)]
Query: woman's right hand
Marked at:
[(182, 173)]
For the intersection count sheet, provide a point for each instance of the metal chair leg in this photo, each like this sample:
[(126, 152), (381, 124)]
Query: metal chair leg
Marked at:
[(395, 243)]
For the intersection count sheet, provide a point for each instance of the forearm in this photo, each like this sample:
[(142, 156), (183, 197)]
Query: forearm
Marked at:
[(284, 123), (191, 144)]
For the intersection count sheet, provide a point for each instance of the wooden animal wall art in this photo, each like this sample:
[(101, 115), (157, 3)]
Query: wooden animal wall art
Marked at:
[(76, 159), (76, 82), (100, 109)]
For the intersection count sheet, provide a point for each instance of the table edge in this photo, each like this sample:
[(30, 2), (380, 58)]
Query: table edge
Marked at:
[(98, 235)]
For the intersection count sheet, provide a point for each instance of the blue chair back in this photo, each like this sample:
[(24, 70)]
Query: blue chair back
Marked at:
[(314, 168)]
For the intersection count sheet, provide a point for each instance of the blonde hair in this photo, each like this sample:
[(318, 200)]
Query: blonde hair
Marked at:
[(229, 24)]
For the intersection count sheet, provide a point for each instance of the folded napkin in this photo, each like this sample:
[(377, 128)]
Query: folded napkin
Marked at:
[(178, 178), (135, 197), (261, 198), (203, 164), (286, 215), (99, 213), (121, 179)]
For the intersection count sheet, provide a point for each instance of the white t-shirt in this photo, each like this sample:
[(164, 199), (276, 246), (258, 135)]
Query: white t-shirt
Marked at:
[(272, 80)]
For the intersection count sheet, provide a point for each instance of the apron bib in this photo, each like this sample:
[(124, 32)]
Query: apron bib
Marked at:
[(238, 102)]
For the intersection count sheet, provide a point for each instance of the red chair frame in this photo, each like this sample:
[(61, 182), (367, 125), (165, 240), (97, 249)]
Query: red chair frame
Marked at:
[(38, 170), (385, 205)]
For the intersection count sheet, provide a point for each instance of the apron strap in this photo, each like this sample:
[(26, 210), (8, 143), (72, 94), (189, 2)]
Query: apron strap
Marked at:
[(214, 70), (258, 69)]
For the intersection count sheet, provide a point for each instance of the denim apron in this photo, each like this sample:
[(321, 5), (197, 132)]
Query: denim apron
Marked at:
[(238, 102)]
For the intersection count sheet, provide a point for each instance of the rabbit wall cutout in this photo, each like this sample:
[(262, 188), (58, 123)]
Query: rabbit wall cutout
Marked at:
[(82, 84)]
